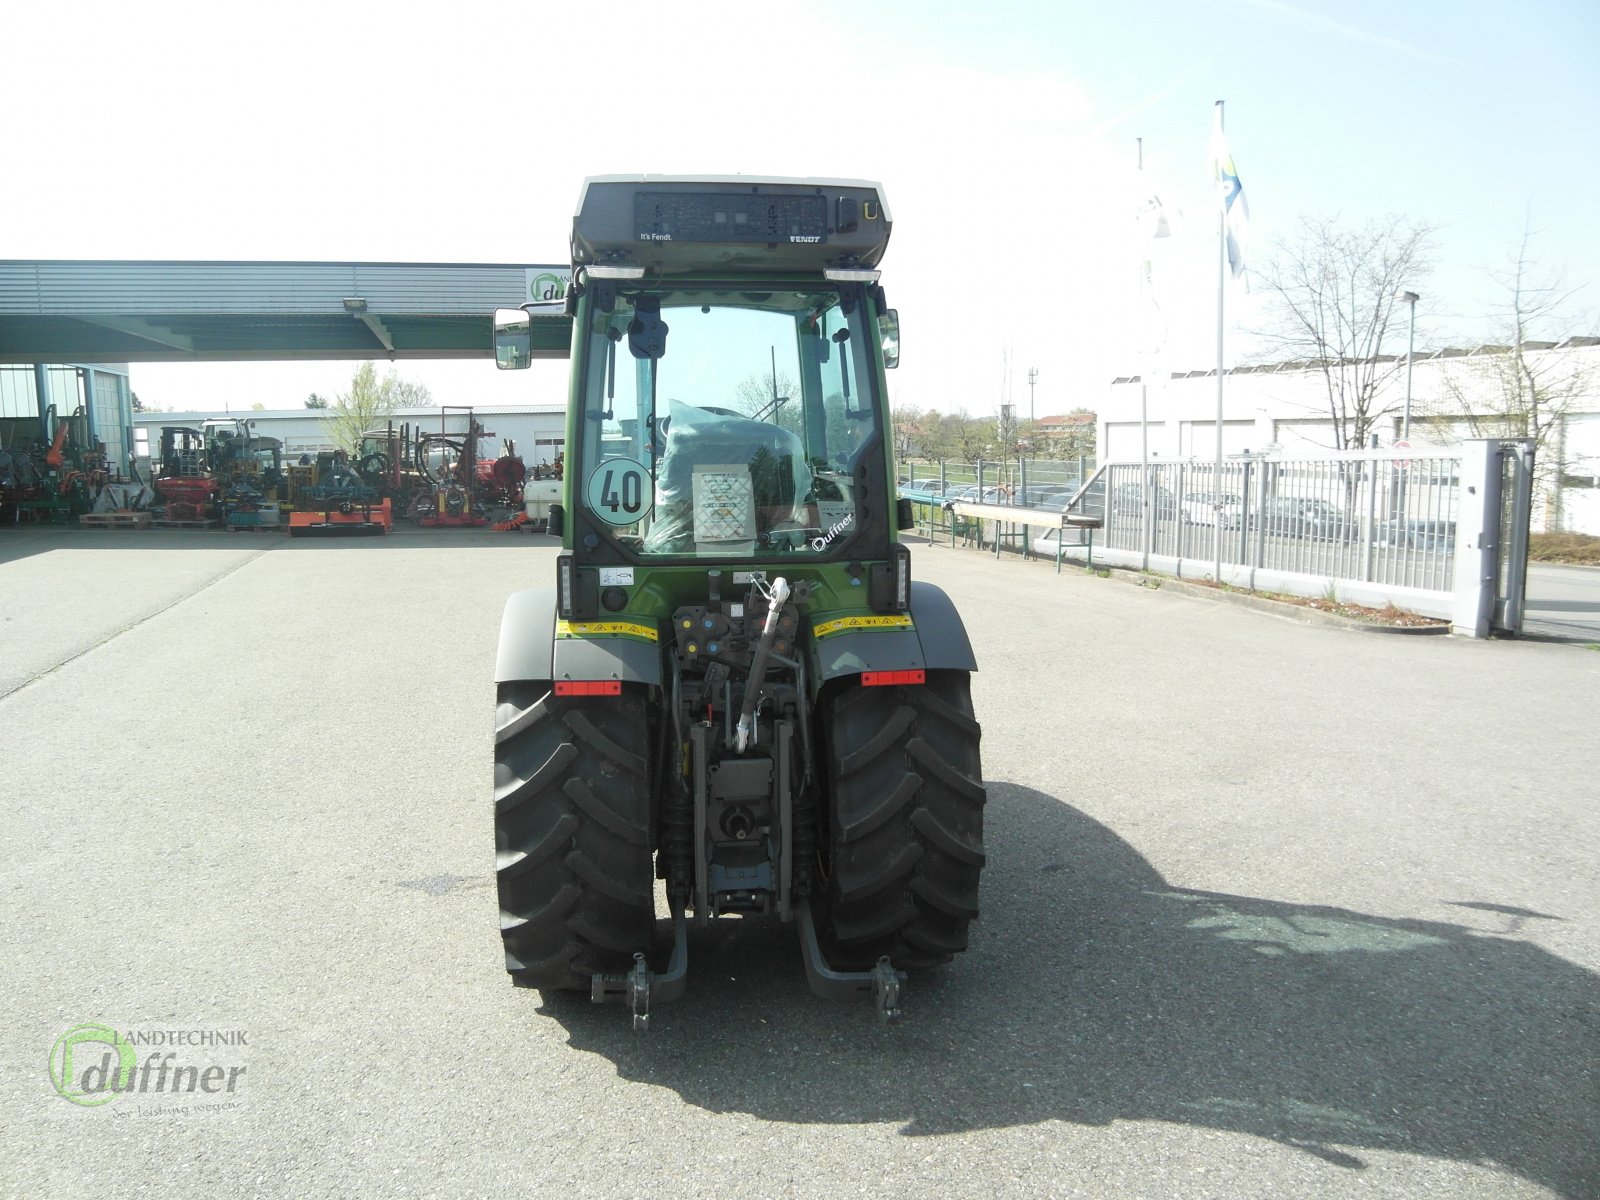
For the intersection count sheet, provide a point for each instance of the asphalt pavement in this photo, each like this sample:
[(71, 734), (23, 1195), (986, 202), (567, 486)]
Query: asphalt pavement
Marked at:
[(1563, 603), (1271, 909)]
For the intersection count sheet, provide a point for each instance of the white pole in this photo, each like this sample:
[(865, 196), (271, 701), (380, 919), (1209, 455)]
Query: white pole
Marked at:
[(1411, 342), (1222, 275), (1144, 425)]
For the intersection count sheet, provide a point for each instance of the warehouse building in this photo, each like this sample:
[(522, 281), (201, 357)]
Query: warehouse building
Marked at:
[(1283, 409)]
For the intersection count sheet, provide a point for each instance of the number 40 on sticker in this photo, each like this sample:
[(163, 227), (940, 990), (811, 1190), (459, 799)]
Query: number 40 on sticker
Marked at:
[(618, 491)]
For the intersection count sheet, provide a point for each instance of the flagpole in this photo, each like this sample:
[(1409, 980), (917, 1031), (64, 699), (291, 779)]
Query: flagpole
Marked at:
[(1222, 269), (1144, 427)]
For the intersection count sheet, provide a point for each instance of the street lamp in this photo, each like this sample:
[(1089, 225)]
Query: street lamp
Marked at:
[(1410, 299)]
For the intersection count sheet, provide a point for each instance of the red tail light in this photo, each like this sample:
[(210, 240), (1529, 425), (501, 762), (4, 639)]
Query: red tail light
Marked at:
[(588, 687), (890, 678)]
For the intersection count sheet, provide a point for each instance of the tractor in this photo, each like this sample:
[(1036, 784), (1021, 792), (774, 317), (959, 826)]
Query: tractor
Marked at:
[(252, 486), (733, 684)]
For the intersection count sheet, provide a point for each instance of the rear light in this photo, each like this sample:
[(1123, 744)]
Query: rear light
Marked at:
[(590, 687), (882, 678), (564, 587), (902, 580)]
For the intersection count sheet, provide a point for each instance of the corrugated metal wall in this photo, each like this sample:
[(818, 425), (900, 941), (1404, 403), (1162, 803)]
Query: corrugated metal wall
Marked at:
[(65, 288)]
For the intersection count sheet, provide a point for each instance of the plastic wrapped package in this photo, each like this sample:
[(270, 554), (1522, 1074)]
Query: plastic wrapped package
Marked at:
[(748, 477)]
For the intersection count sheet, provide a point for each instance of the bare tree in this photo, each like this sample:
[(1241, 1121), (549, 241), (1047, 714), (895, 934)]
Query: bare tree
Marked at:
[(775, 398), (907, 423), (971, 438), (1334, 310), (1521, 386)]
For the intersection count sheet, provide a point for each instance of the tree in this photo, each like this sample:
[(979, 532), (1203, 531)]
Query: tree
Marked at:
[(766, 397), (1334, 308), (1522, 387), (907, 424), (368, 404), (972, 438), (316, 401), (138, 405)]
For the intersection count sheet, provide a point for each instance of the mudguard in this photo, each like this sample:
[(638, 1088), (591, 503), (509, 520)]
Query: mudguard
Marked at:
[(934, 638), (533, 647)]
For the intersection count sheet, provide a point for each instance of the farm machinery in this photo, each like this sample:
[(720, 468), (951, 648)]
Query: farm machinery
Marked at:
[(252, 487), (733, 684), (338, 502), (50, 478), (440, 477)]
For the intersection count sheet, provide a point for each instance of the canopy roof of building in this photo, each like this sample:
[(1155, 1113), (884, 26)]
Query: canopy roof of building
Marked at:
[(121, 311)]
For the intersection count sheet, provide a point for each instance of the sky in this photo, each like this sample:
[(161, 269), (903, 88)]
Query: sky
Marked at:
[(1004, 135)]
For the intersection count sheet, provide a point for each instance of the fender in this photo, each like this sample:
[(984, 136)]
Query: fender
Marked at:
[(937, 641), (530, 648)]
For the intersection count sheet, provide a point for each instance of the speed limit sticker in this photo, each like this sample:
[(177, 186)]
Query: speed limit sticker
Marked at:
[(619, 491)]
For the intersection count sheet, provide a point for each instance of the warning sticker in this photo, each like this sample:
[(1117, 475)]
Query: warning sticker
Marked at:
[(860, 624), (591, 629)]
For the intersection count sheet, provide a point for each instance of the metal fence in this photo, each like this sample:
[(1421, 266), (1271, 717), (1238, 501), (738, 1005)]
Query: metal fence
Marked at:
[(1341, 524), (1369, 517), (1370, 527), (1031, 481)]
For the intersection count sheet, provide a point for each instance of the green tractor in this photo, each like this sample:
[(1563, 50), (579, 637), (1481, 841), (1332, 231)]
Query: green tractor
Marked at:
[(734, 685)]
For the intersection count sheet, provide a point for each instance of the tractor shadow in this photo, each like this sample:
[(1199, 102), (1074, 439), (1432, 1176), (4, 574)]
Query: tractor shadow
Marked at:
[(1094, 992)]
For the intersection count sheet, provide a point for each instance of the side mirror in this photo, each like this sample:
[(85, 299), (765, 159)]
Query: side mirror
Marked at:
[(889, 337), (513, 339), (905, 517), (556, 521)]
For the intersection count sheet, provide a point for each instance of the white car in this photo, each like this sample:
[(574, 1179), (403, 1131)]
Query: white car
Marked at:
[(1200, 508)]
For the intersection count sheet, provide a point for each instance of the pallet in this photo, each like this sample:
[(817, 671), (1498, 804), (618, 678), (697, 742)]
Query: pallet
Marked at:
[(165, 524), (284, 528), (115, 520)]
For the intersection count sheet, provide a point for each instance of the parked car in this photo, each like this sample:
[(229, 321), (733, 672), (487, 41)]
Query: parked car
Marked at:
[(1430, 536), (1127, 499), (1040, 495), (972, 494), (1306, 517), (1200, 508), (1055, 503)]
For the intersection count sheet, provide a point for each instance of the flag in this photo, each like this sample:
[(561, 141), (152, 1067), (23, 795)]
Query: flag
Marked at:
[(1230, 196), (1150, 218)]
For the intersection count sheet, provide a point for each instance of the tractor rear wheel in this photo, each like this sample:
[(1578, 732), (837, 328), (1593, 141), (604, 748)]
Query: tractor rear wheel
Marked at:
[(905, 821), (572, 834)]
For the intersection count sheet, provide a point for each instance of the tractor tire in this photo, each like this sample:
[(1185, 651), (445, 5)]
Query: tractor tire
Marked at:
[(905, 822), (573, 834)]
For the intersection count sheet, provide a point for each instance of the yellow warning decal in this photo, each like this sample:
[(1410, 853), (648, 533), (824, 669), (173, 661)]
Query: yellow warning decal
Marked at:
[(859, 624), (588, 629)]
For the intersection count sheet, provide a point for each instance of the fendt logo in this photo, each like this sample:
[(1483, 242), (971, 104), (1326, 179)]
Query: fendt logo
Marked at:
[(92, 1064)]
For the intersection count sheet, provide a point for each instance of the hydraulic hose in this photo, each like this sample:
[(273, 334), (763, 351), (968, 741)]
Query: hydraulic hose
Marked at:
[(758, 661)]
